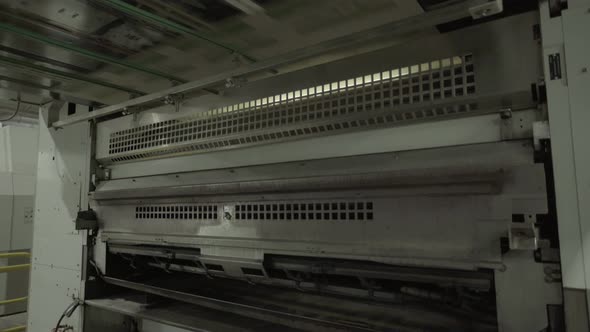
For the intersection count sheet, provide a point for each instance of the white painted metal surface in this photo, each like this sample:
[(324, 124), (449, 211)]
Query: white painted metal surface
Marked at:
[(577, 60), (57, 249), (395, 232), (568, 83)]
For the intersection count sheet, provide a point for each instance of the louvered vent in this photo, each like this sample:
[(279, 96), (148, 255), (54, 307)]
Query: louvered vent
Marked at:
[(380, 99)]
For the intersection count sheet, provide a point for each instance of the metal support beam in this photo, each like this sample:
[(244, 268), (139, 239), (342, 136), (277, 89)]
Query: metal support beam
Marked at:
[(173, 26), (28, 84), (66, 75), (38, 58), (414, 24), (87, 53)]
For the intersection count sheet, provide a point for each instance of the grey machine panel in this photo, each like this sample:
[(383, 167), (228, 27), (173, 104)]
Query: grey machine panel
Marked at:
[(374, 211), (453, 75), (415, 156)]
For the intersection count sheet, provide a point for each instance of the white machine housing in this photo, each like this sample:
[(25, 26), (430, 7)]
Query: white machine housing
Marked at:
[(457, 171)]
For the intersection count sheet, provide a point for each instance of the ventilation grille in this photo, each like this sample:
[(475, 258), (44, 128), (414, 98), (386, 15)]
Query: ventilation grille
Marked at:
[(314, 211), (353, 104), (189, 212)]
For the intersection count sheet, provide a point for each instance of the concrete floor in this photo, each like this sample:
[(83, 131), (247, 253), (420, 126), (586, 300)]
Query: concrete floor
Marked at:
[(13, 320)]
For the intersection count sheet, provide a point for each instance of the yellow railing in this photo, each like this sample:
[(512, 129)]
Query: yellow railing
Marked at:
[(15, 329), (18, 299), (10, 268), (15, 254)]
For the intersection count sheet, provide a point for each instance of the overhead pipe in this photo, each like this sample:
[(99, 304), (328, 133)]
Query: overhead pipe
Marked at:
[(173, 26), (87, 53), (67, 75)]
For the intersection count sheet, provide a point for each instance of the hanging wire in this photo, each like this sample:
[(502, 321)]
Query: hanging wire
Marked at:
[(15, 111)]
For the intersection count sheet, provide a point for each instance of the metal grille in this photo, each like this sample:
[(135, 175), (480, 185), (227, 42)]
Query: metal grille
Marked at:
[(314, 211), (358, 103), (189, 212)]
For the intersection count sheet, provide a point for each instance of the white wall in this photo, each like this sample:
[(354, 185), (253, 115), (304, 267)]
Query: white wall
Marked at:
[(18, 168)]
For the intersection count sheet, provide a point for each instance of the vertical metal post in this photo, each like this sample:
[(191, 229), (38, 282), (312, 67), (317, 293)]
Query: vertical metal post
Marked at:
[(566, 56)]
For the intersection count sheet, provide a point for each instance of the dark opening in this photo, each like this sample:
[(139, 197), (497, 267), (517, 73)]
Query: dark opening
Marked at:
[(214, 267), (71, 108)]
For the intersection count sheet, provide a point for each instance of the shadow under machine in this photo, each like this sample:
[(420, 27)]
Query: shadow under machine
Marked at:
[(403, 189)]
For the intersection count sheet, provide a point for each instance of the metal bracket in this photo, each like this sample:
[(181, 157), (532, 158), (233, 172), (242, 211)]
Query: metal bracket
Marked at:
[(174, 100), (53, 111), (486, 8), (506, 131), (234, 82), (523, 236), (102, 173), (540, 132), (86, 220)]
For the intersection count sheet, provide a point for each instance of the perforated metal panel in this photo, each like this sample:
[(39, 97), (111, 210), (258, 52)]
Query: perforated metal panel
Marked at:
[(353, 104), (293, 211), (316, 210), (189, 212)]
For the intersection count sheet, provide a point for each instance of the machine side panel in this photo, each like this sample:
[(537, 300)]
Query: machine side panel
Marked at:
[(576, 24), (572, 260), (57, 247)]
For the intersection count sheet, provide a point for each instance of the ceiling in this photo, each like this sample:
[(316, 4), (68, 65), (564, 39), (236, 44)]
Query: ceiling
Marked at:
[(107, 51)]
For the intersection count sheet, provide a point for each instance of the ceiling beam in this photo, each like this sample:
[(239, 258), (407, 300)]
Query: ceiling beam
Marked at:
[(58, 30), (178, 13), (39, 58), (247, 6), (87, 53), (26, 83), (67, 75), (173, 26)]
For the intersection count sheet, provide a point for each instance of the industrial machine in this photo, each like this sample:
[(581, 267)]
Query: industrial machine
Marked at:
[(412, 177), (18, 166)]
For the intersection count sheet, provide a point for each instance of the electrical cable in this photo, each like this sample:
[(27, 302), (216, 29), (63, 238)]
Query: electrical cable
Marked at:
[(15, 111), (67, 313), (96, 268)]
